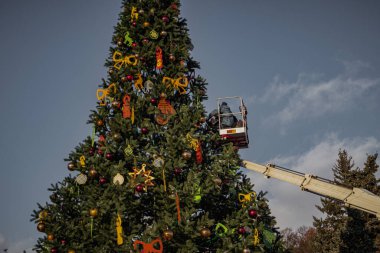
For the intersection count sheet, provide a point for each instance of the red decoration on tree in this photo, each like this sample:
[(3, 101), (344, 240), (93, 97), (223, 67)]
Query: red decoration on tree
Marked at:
[(252, 213), (109, 156), (198, 153), (102, 180), (139, 188), (241, 230)]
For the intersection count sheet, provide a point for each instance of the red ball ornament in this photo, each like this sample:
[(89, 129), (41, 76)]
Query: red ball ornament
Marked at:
[(177, 171), (124, 79), (134, 44), (252, 213), (129, 77), (153, 101), (100, 152), (54, 250), (91, 152), (144, 130), (109, 156), (139, 188), (165, 19), (145, 41), (241, 230), (63, 242), (134, 23), (102, 180)]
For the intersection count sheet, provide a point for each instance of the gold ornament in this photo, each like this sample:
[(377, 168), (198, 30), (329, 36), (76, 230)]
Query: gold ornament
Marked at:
[(246, 251), (82, 161), (168, 235), (186, 155), (118, 179), (43, 215), (41, 227), (71, 166), (128, 151), (145, 174), (205, 232), (93, 212), (92, 173), (146, 24), (71, 251), (158, 162), (153, 35)]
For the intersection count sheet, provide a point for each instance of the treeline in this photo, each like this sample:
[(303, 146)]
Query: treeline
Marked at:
[(341, 229)]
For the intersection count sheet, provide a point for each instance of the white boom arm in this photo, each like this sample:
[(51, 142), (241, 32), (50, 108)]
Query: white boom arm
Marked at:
[(352, 197)]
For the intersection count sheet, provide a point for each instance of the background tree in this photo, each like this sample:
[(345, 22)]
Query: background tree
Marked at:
[(300, 240), (345, 229), (154, 177)]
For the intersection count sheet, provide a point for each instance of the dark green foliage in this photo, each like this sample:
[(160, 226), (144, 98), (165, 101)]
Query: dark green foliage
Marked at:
[(207, 191), (345, 229)]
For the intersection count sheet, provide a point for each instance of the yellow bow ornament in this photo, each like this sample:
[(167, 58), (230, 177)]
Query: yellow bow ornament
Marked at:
[(179, 84), (246, 198), (120, 60), (102, 94)]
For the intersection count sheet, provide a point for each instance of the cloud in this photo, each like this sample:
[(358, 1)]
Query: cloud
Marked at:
[(310, 96), (291, 206), (3, 242)]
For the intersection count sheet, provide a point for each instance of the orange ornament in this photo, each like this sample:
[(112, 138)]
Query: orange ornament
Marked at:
[(155, 246), (166, 111), (126, 107), (159, 61)]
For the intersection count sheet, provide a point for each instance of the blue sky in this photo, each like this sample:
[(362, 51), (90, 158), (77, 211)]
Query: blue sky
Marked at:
[(309, 72)]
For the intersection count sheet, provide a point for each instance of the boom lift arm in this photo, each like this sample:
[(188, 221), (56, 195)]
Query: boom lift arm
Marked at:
[(357, 198)]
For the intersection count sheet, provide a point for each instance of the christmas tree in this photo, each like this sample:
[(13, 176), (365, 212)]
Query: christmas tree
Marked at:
[(154, 176)]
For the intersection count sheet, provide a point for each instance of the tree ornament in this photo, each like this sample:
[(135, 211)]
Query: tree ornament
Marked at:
[(117, 137), (99, 123), (165, 19), (139, 188), (154, 246), (124, 79), (152, 11), (252, 213), (43, 215), (141, 11), (41, 227), (134, 23), (115, 104), (91, 152), (81, 179), (168, 234), (128, 151), (171, 57), (174, 6), (145, 174), (71, 251), (159, 61), (82, 161), (50, 237), (144, 130), (119, 60), (110, 71), (139, 82), (165, 111), (103, 94), (246, 250), (109, 156), (54, 250), (71, 166), (153, 101), (129, 77), (246, 198), (93, 212), (120, 43), (128, 113), (127, 40), (134, 14), (153, 35), (100, 151), (146, 24), (118, 179), (119, 230), (158, 162), (186, 155), (178, 207), (63, 242), (205, 232), (92, 173), (177, 171), (102, 180), (241, 230), (145, 41), (163, 33), (148, 85), (179, 84)]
